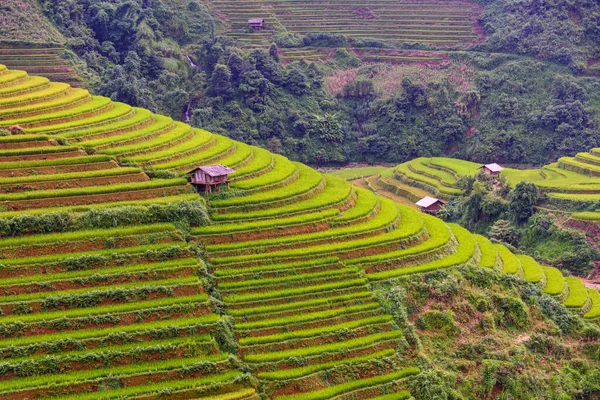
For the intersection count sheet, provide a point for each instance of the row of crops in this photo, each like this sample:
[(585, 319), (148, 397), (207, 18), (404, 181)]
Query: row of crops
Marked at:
[(44, 62), (276, 293), (571, 179), (448, 22)]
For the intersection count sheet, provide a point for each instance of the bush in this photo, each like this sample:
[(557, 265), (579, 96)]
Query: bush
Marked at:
[(437, 320)]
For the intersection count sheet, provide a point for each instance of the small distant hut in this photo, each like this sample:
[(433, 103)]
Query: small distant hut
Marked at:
[(205, 178), (258, 24), (430, 205), (491, 169)]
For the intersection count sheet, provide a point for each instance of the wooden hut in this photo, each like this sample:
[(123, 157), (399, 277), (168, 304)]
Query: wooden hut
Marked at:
[(258, 24), (205, 178), (491, 169), (430, 205)]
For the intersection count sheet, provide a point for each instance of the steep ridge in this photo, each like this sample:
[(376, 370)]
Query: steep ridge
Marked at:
[(278, 285)]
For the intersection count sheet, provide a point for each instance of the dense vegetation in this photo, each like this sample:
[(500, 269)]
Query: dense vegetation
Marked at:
[(117, 278), (475, 106)]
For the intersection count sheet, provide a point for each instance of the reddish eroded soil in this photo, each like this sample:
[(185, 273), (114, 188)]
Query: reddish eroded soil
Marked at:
[(97, 281), (145, 194), (79, 182), (28, 145), (335, 376), (58, 169), (330, 357), (127, 381), (84, 245), (124, 319), (40, 157), (37, 306)]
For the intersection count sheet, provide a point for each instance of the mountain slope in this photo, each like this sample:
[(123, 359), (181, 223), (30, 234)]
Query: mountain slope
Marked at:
[(281, 272)]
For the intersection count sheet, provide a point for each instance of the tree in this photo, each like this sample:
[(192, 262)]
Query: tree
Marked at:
[(220, 83), (503, 231), (522, 201)]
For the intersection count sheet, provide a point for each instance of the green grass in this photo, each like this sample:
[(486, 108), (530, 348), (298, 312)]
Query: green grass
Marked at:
[(336, 191), (356, 173), (299, 305), (249, 297), (366, 201), (326, 348), (387, 215), (53, 89), (71, 129), (91, 190), (439, 235), (140, 116), (306, 317), (125, 269), (466, 248), (532, 271), (199, 139), (578, 294), (69, 176), (555, 282), (323, 330), (179, 132), (44, 259), (58, 162), (595, 310), (85, 235), (160, 124), (242, 153), (221, 229), (85, 334), (403, 169), (261, 160), (282, 170), (222, 146), (167, 386), (277, 267), (30, 84), (37, 150), (333, 391), (308, 180), (87, 375), (73, 97), (510, 262), (39, 296), (488, 252), (255, 283), (85, 208), (294, 373), (112, 309), (411, 224)]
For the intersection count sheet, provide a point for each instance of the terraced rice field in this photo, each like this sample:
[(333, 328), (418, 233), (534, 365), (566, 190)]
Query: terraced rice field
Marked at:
[(437, 23), (43, 62), (572, 179), (282, 293)]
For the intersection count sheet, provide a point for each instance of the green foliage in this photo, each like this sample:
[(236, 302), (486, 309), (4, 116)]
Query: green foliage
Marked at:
[(437, 320)]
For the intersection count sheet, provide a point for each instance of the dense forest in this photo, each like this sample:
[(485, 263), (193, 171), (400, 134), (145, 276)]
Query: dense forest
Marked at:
[(521, 96)]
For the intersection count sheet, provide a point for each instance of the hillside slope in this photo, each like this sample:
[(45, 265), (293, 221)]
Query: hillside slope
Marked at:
[(134, 285)]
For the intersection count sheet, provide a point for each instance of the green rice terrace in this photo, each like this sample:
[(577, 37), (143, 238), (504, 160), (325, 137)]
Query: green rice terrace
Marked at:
[(570, 182), (272, 292), (436, 23)]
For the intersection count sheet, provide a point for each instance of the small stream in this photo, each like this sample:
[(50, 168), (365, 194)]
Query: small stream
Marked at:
[(186, 114)]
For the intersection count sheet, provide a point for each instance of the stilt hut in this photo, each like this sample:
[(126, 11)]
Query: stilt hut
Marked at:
[(430, 205), (205, 178), (258, 24), (492, 169)]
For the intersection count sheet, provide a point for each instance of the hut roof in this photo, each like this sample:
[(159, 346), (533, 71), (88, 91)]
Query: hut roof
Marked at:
[(428, 201), (493, 167), (214, 170), (256, 21)]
